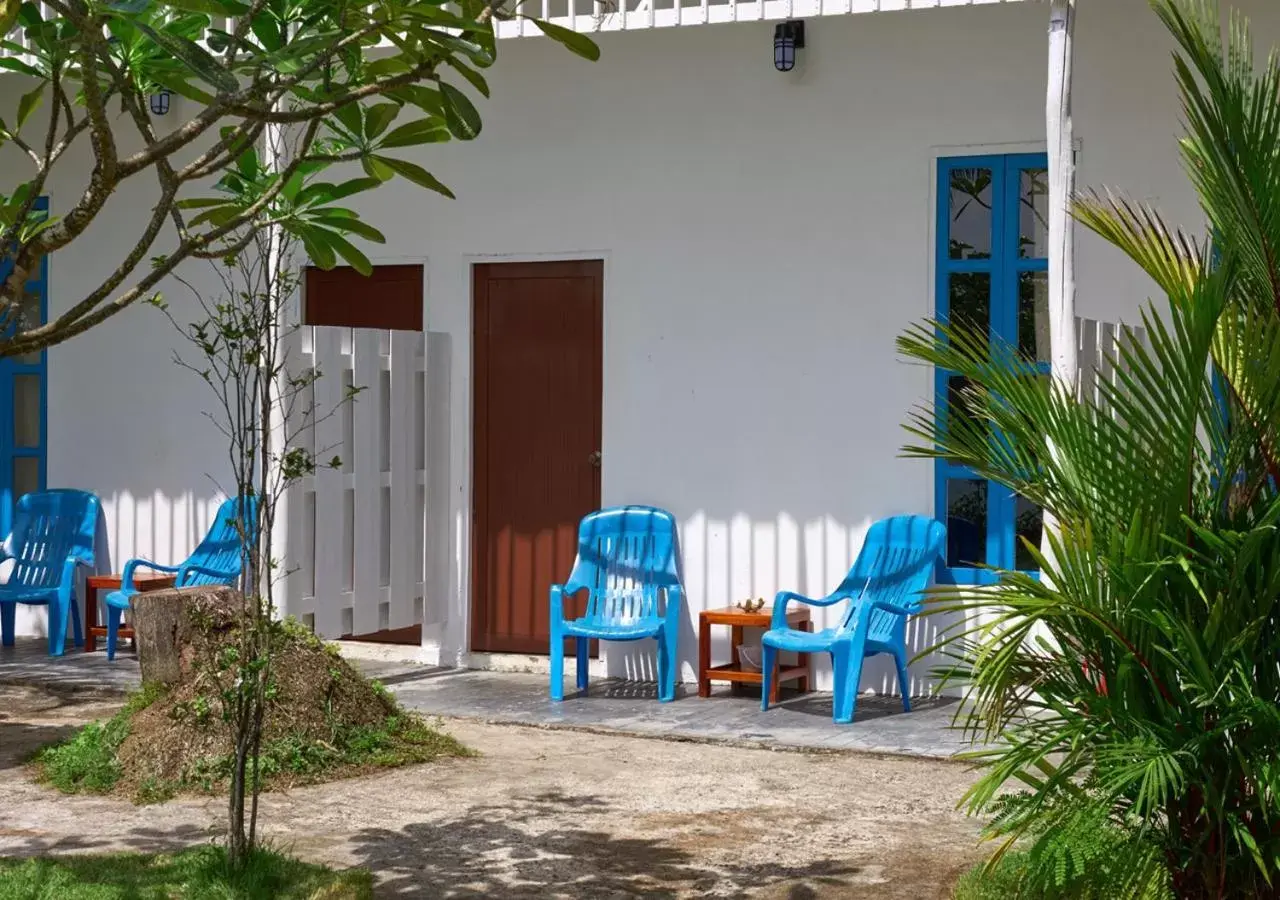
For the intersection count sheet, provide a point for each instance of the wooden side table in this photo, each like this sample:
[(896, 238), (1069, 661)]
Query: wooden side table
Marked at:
[(738, 620), (95, 583)]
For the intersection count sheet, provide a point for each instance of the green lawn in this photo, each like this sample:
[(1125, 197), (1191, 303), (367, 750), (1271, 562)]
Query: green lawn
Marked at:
[(200, 873)]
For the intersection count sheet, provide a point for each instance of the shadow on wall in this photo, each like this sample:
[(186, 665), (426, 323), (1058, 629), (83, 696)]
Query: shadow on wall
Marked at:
[(725, 562), (164, 526)]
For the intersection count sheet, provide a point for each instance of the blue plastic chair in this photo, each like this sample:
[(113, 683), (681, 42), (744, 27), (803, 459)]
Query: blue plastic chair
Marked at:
[(883, 589), (218, 560), (53, 535), (627, 556)]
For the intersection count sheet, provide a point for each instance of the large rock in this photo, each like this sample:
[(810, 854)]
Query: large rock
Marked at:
[(170, 625)]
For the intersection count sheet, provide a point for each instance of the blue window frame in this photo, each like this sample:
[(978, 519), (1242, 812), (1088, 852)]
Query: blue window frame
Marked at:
[(23, 403), (992, 271)]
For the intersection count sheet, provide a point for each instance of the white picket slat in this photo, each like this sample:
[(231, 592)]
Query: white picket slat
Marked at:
[(405, 356), (331, 547), (365, 453)]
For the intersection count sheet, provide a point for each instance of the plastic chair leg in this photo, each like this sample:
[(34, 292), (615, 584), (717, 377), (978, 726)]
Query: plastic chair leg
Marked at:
[(113, 630), (904, 683), (77, 629), (668, 663), (557, 665), (57, 626), (583, 648), (8, 616), (768, 655), (848, 675)]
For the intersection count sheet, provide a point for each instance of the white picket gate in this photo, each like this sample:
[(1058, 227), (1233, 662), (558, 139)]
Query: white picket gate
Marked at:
[(355, 535)]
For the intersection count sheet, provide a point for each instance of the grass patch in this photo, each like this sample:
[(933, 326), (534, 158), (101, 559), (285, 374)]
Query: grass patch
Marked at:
[(86, 763), (402, 739), (200, 873)]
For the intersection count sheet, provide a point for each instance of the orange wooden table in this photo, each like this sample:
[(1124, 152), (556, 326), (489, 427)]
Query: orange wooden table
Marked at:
[(94, 583), (735, 671)]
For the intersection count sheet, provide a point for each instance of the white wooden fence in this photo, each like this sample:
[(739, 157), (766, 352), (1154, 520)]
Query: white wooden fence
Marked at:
[(1098, 346), (355, 534)]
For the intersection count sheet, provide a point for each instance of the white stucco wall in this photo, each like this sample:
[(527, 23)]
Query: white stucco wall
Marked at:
[(766, 237)]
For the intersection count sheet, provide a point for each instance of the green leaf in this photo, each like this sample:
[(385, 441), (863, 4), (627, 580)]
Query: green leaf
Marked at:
[(17, 65), (459, 113), (317, 247), (29, 103), (378, 117), (377, 168), (348, 252), (323, 192), (209, 7), (349, 225), (194, 57), (416, 174), (411, 134), (426, 99), (476, 79), (351, 118), (577, 43)]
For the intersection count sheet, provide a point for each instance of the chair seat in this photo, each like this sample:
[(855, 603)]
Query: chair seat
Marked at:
[(629, 631), (20, 594), (789, 640)]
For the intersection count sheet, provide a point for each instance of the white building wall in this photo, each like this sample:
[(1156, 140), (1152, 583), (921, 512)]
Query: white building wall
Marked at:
[(766, 238)]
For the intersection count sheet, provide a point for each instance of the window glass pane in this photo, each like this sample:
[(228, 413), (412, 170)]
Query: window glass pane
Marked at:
[(970, 300), (26, 410), (26, 475), (1033, 315), (970, 215), (966, 521), (1033, 214), (1029, 523), (958, 404)]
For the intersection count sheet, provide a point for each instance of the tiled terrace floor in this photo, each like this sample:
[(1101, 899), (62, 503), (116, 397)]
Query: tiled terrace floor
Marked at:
[(800, 722)]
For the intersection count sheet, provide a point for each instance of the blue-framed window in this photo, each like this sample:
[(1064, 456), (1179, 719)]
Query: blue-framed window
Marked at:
[(992, 272), (23, 402)]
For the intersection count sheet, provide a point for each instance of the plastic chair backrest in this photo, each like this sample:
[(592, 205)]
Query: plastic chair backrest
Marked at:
[(49, 527), (626, 555), (895, 564), (223, 548)]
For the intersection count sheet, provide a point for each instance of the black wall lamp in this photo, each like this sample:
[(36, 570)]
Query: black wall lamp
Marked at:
[(160, 102), (788, 37)]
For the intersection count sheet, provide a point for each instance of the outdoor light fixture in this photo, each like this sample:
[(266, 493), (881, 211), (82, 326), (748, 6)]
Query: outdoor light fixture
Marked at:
[(788, 37), (160, 103)]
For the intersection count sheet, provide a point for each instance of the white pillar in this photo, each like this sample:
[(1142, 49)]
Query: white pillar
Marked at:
[(1062, 185)]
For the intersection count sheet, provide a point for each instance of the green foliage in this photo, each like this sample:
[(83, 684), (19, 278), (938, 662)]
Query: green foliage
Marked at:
[(201, 873), (86, 763), (1077, 855), (278, 93), (1136, 682)]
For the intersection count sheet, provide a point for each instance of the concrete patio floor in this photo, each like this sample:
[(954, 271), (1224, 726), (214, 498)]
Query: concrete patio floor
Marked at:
[(800, 722)]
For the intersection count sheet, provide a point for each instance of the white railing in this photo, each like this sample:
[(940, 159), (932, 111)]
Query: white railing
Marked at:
[(589, 16), (355, 534), (630, 15)]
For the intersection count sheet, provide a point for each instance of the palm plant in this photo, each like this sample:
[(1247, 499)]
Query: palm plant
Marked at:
[(1139, 676)]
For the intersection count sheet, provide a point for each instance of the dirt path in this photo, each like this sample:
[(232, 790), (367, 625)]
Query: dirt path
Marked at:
[(556, 815)]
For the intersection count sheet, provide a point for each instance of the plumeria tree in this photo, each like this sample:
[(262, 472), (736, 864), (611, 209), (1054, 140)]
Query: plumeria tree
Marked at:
[(357, 83)]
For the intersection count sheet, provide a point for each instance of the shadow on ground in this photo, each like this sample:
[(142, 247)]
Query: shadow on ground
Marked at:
[(502, 851)]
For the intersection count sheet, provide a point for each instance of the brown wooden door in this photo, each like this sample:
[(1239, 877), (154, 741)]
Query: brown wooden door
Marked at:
[(536, 467)]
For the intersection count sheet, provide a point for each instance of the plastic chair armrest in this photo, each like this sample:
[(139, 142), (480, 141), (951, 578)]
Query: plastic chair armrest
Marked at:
[(126, 580), (227, 575), (73, 561), (893, 608)]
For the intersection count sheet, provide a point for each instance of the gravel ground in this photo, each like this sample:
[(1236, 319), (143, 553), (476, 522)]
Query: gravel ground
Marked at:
[(554, 814)]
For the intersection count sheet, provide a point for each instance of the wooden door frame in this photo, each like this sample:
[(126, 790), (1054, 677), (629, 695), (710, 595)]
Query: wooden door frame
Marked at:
[(478, 266)]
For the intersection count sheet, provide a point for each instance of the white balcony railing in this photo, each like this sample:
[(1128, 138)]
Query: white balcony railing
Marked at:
[(590, 16)]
